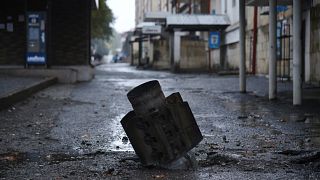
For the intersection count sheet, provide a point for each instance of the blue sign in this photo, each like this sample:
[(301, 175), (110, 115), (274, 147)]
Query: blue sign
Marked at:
[(36, 58), (282, 8), (36, 38), (279, 34), (214, 40)]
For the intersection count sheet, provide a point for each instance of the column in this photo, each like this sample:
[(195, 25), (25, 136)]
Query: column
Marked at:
[(272, 49), (297, 56), (176, 49), (150, 53), (242, 65)]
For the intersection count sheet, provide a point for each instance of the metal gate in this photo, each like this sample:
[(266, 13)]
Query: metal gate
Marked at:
[(284, 49)]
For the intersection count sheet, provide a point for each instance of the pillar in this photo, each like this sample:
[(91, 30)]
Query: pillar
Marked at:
[(242, 65), (140, 50), (307, 65), (176, 49), (151, 48), (297, 56), (272, 49)]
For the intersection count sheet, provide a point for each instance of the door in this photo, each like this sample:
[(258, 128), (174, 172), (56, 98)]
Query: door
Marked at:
[(36, 38)]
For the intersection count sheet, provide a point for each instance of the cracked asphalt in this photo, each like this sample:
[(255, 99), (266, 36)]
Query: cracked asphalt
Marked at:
[(74, 131)]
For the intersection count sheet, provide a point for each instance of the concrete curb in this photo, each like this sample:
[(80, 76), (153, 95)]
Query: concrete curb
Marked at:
[(22, 93), (65, 74)]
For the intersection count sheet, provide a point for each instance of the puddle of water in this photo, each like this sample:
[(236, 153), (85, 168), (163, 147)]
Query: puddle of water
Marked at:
[(119, 145), (119, 138), (244, 108)]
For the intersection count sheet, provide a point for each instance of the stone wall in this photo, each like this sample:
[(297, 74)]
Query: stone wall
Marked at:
[(12, 44), (262, 64), (161, 54), (135, 53), (68, 35), (315, 44), (215, 60), (194, 56)]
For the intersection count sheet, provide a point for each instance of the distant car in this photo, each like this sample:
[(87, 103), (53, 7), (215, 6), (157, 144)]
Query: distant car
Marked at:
[(115, 58), (122, 56)]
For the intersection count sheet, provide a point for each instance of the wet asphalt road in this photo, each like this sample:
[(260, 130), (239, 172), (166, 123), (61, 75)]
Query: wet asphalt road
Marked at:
[(74, 131)]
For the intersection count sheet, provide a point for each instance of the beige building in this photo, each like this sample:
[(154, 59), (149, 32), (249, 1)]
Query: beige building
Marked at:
[(179, 49), (280, 39), (144, 6), (257, 40)]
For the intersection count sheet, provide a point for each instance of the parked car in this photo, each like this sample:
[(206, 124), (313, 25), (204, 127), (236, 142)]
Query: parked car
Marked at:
[(115, 58)]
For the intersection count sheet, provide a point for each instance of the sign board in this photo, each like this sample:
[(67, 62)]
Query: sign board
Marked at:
[(9, 27), (151, 30), (214, 40), (36, 38), (282, 8)]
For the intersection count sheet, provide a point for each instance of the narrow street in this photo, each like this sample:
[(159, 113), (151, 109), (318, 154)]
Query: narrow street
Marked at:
[(73, 131)]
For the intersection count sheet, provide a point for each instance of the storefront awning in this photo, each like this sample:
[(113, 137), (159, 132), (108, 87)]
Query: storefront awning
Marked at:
[(148, 28), (266, 2), (186, 22), (143, 24), (156, 16)]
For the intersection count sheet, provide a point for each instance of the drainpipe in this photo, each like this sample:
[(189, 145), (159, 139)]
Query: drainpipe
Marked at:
[(255, 33)]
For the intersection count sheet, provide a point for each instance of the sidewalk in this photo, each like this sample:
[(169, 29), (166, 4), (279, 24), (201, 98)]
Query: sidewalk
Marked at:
[(16, 88)]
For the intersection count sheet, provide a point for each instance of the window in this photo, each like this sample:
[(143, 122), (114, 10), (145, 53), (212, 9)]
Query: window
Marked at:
[(234, 3)]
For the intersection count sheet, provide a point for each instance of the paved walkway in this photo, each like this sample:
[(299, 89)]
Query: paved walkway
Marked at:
[(10, 84), (15, 88)]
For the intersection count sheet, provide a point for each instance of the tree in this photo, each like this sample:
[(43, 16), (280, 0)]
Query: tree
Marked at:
[(101, 21)]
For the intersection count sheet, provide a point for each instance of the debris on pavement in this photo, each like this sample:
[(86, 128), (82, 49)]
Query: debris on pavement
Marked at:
[(161, 130), (215, 158), (160, 176)]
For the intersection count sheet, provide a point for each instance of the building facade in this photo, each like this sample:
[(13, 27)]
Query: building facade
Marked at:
[(46, 34), (257, 40), (161, 49), (226, 57), (144, 6)]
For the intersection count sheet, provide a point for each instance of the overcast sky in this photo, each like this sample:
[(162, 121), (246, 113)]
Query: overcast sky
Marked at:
[(124, 13)]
